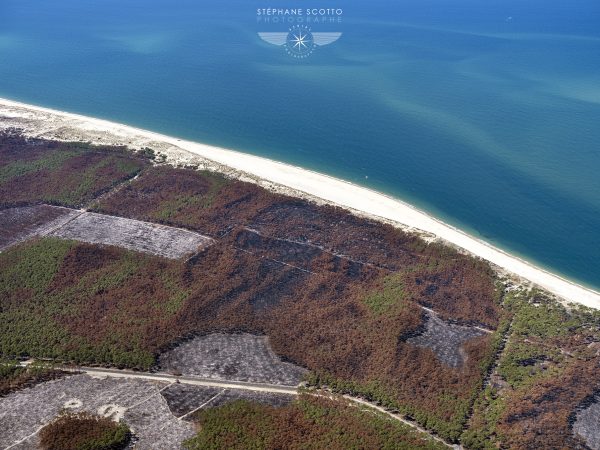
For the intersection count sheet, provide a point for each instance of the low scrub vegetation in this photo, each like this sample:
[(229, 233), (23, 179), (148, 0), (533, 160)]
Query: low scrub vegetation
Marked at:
[(54, 290), (84, 431), (308, 423), (60, 173), (546, 373)]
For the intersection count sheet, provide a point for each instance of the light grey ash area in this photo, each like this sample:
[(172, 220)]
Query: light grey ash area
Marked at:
[(138, 402), (234, 357), (587, 424), (22, 223), (25, 222), (445, 339), (133, 234)]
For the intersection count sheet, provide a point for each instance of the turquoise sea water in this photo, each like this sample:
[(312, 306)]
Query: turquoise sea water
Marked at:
[(486, 114)]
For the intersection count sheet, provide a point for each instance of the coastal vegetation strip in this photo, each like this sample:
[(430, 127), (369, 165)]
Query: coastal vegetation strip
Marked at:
[(64, 126)]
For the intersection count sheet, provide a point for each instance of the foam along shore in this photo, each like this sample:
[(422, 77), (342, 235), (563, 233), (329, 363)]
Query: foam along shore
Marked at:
[(48, 123)]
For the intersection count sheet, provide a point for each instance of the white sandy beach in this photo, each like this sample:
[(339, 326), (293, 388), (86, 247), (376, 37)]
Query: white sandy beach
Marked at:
[(48, 123)]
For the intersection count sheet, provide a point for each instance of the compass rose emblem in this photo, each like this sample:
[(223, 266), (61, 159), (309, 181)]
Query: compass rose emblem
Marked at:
[(299, 41)]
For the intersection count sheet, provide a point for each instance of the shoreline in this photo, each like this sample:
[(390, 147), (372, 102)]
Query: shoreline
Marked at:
[(289, 179)]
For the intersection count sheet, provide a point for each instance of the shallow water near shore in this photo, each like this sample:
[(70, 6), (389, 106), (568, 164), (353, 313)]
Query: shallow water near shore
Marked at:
[(487, 118)]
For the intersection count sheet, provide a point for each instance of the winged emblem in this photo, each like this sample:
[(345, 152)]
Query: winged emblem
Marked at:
[(318, 38), (274, 38), (299, 41)]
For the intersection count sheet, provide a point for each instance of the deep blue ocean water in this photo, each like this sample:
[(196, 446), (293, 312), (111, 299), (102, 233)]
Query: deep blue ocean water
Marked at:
[(484, 113)]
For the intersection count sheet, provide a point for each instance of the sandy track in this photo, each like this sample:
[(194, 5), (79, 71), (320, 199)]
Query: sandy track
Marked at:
[(197, 381)]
